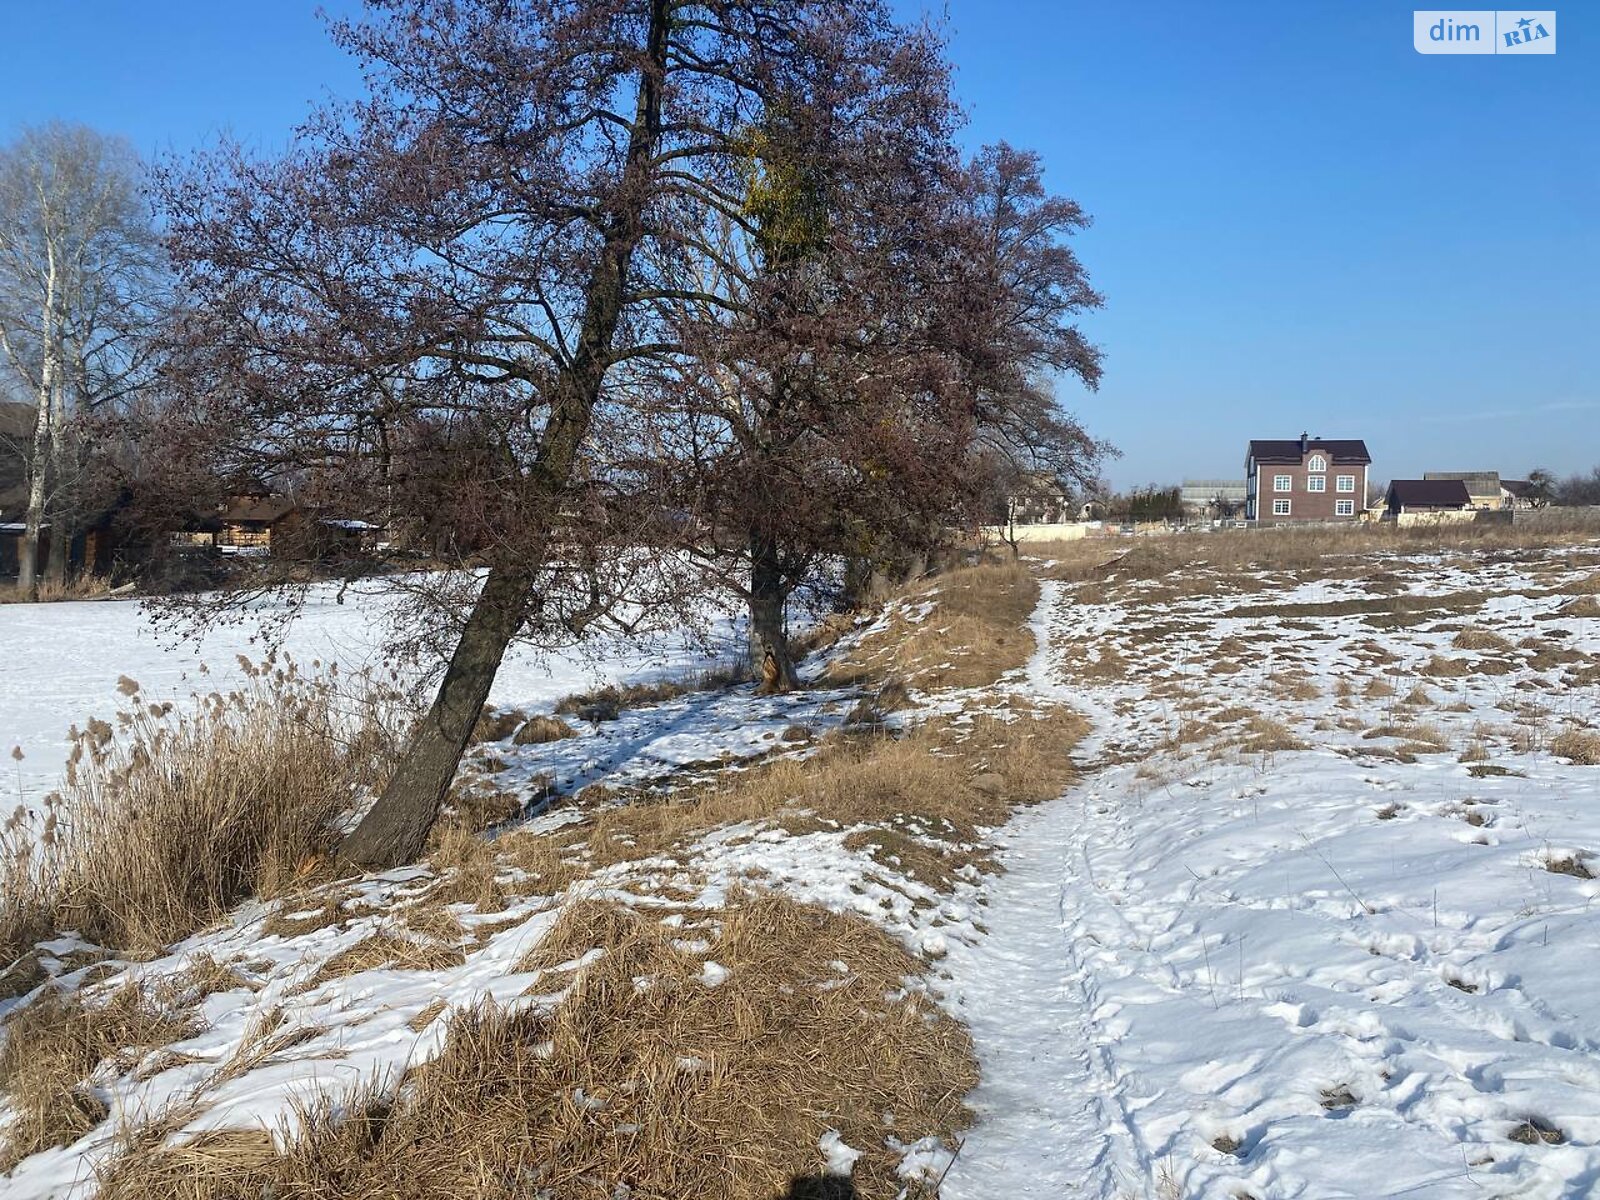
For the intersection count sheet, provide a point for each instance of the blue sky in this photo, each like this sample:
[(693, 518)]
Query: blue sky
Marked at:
[(1300, 223)]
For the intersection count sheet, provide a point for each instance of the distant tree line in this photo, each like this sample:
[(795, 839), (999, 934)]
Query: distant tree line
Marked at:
[(1576, 489)]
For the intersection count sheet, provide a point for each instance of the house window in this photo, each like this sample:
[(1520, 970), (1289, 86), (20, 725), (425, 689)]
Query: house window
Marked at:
[(1317, 463), (1317, 483), (1344, 508), (1346, 483), (1283, 483), (1280, 508)]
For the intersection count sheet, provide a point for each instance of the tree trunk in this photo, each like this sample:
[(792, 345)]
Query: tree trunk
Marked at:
[(33, 521), (397, 826), (55, 571), (769, 646), (61, 514), (39, 453)]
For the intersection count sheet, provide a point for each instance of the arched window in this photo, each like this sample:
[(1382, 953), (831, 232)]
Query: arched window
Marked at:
[(1317, 463)]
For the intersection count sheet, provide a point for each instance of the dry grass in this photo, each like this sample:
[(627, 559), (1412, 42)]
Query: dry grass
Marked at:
[(1263, 735), (85, 587), (1571, 864), (164, 824), (1475, 637), (935, 773), (537, 730), (1581, 746), (388, 950), (976, 633), (1219, 563), (51, 1047), (495, 726), (605, 703), (1429, 736), (645, 1079)]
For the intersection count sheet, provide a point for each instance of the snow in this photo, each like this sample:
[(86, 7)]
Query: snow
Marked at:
[(1233, 976), (1336, 971), (61, 663)]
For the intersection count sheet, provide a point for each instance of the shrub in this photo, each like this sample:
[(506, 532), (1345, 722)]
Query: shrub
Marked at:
[(537, 730)]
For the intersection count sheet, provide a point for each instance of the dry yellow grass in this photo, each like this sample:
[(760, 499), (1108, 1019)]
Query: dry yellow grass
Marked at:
[(1216, 562), (1580, 745), (390, 950), (537, 730), (51, 1047), (645, 1077), (1475, 637), (976, 632), (163, 825)]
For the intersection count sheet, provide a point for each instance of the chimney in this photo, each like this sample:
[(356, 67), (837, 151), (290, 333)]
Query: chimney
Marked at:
[(1302, 442)]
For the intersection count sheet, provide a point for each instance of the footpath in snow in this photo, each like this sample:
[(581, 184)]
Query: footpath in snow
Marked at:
[(1348, 951)]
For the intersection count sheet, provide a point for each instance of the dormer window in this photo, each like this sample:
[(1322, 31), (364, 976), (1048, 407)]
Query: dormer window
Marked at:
[(1317, 463)]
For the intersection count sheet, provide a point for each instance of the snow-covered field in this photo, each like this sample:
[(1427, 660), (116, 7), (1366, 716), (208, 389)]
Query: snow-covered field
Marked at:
[(1316, 922), (60, 663), (1353, 969)]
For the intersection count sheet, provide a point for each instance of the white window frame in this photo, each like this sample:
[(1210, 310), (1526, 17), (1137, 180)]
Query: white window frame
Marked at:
[(1316, 483), (1283, 483), (1280, 508), (1345, 483), (1317, 463), (1344, 508)]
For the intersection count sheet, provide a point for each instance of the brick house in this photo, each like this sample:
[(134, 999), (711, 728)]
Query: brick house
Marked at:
[(1305, 479)]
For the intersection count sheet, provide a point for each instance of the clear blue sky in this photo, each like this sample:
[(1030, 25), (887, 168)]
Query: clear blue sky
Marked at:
[(1300, 223)]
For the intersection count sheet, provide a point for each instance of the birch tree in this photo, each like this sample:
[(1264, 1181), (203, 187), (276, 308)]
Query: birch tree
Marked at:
[(79, 270)]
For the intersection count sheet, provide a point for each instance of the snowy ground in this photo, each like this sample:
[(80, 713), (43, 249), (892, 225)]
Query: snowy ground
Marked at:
[(1315, 956), (61, 664), (1340, 971), (292, 1025)]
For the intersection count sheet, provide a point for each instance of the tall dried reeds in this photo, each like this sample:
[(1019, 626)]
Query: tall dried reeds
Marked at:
[(172, 815)]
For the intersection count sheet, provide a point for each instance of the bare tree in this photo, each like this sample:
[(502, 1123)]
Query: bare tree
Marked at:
[(441, 308), (79, 280), (873, 357)]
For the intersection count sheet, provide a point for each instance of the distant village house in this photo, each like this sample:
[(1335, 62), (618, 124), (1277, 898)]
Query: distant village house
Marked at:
[(1305, 479), (1409, 497), (1489, 492)]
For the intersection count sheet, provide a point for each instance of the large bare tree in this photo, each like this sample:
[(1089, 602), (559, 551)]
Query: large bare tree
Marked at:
[(441, 308), (875, 353), (79, 283)]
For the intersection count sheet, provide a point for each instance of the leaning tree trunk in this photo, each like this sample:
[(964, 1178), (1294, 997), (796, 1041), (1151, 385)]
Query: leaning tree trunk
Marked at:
[(769, 645), (396, 828)]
